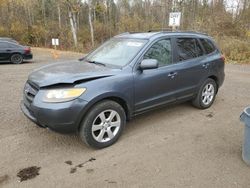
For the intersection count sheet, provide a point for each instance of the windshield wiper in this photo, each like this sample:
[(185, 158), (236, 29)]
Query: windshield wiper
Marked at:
[(95, 62)]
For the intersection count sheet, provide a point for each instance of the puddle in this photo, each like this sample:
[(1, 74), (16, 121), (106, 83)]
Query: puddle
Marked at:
[(90, 170), (74, 169), (28, 173), (210, 115), (69, 162)]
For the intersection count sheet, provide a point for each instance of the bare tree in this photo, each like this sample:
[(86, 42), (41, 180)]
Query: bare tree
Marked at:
[(73, 11), (90, 23)]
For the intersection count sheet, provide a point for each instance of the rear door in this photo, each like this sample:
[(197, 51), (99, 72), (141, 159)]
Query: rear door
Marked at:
[(191, 66)]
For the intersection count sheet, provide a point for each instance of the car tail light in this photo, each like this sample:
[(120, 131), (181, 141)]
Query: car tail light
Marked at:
[(222, 58), (27, 50)]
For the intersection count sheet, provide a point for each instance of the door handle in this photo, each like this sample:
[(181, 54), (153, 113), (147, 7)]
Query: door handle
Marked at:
[(205, 65), (8, 50), (172, 74)]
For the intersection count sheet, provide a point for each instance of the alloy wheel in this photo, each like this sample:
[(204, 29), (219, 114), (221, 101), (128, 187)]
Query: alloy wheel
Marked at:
[(106, 126), (208, 94)]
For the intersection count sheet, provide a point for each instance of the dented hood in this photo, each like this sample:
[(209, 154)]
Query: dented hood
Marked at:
[(68, 73)]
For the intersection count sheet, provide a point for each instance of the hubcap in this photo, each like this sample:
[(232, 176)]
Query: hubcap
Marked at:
[(208, 94), (106, 126), (16, 58)]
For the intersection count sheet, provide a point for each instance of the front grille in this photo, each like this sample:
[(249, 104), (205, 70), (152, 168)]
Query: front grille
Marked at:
[(30, 91)]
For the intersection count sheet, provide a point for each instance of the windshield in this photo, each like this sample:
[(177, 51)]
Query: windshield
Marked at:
[(116, 52)]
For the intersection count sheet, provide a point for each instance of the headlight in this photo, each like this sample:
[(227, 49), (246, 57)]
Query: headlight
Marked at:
[(62, 95)]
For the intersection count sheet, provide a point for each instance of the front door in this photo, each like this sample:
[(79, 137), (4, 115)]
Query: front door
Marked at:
[(155, 86)]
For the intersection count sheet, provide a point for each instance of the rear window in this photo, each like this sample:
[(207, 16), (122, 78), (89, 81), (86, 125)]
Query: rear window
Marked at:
[(208, 46), (188, 48)]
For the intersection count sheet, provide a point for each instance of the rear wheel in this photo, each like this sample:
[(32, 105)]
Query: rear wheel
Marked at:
[(103, 124), (16, 58), (206, 95)]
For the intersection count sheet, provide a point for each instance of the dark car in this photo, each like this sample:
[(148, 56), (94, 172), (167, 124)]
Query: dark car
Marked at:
[(128, 75), (8, 39), (14, 53)]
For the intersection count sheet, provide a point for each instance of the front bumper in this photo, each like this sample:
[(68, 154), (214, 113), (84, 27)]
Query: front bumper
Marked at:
[(59, 117)]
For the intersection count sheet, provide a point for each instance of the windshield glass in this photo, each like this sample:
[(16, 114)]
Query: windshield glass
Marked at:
[(116, 52)]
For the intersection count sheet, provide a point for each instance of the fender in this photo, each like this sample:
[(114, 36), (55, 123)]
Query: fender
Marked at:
[(108, 95)]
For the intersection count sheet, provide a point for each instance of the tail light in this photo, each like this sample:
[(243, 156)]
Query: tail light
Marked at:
[(27, 50), (222, 58)]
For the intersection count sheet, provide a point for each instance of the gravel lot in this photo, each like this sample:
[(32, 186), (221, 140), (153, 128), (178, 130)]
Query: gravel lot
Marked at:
[(177, 146)]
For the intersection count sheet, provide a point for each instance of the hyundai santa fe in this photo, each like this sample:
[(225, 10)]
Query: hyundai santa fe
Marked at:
[(127, 75)]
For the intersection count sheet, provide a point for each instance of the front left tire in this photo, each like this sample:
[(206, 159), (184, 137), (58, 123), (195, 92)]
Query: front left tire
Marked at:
[(103, 124)]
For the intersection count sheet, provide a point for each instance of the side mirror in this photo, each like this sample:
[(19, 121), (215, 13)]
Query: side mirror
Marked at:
[(149, 64)]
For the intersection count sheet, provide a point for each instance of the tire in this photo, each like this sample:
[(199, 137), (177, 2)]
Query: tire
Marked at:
[(103, 124), (206, 94), (16, 58)]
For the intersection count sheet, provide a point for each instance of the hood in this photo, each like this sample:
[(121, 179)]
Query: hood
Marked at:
[(68, 73)]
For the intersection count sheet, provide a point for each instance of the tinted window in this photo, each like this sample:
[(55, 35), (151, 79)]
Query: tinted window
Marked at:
[(3, 45), (161, 51), (208, 45), (188, 48), (11, 45)]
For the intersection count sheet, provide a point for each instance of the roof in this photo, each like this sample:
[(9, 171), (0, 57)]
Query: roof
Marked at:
[(150, 35)]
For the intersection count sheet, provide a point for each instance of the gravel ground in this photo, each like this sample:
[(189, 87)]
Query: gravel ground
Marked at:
[(177, 146)]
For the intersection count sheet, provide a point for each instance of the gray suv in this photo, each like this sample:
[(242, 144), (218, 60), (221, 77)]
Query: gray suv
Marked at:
[(128, 75)]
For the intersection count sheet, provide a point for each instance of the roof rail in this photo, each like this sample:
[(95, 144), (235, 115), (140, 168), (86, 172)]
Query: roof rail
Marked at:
[(192, 31), (159, 30), (169, 29), (125, 33)]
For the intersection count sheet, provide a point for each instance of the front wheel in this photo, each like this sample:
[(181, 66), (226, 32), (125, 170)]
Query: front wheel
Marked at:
[(103, 124), (206, 95)]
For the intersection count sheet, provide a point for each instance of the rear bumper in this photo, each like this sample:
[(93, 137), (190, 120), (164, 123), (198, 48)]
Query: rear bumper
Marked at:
[(62, 118), (27, 56), (221, 77)]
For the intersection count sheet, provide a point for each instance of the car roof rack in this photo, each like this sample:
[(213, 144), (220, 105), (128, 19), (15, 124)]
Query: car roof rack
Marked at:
[(180, 31), (160, 30), (192, 31), (128, 32)]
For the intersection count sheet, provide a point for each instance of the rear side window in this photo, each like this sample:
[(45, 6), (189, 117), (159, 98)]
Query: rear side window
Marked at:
[(161, 50), (208, 46), (188, 48), (3, 45), (11, 45)]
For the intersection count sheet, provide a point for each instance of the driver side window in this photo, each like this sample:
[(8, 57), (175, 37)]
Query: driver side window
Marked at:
[(161, 51)]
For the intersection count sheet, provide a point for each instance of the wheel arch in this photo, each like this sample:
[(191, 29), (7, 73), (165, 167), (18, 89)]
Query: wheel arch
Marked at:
[(215, 78), (120, 100)]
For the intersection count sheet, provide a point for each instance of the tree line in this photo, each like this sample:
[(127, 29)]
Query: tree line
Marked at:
[(83, 24)]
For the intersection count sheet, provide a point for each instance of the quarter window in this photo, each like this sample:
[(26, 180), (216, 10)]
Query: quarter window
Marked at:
[(208, 46), (160, 51), (188, 48)]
